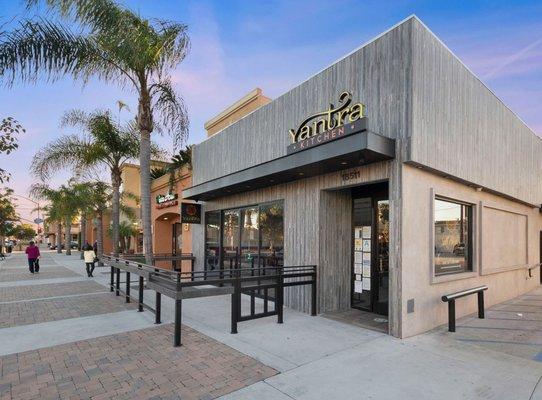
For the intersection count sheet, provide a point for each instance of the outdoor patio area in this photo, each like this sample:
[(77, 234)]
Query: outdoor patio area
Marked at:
[(96, 346)]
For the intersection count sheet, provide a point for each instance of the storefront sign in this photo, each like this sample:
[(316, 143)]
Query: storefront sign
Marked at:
[(166, 200), (329, 125), (190, 213)]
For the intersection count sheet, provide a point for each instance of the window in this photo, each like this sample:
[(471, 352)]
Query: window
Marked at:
[(212, 240), (245, 237), (453, 237)]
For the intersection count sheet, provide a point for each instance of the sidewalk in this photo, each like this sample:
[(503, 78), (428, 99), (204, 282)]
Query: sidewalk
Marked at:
[(304, 358)]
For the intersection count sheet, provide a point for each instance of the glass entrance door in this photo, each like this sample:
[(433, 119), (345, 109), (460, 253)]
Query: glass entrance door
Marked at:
[(370, 250), (381, 267), (362, 253)]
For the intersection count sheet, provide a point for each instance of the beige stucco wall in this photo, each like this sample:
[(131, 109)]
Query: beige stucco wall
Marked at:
[(163, 228), (506, 242)]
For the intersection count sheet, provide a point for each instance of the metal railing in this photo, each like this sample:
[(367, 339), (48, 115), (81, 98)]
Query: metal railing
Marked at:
[(450, 299), (176, 259), (253, 282)]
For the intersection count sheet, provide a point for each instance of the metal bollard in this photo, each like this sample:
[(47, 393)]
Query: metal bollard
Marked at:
[(140, 307), (117, 284), (178, 317), (127, 287), (158, 308)]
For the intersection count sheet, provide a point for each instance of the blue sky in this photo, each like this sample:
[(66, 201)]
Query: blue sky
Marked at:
[(239, 45)]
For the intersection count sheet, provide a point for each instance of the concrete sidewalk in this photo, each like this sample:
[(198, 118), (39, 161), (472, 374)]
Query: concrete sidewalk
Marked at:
[(319, 358)]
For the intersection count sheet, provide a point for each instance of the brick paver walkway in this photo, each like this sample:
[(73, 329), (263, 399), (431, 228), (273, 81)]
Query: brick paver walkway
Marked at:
[(135, 365), (140, 364), (17, 293), (33, 312), (12, 275)]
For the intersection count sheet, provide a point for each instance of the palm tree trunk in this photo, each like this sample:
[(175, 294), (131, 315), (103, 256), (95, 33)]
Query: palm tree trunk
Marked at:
[(59, 237), (68, 238), (144, 119), (100, 233), (83, 234), (115, 210)]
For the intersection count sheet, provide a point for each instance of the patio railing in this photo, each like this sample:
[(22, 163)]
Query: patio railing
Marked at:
[(256, 283)]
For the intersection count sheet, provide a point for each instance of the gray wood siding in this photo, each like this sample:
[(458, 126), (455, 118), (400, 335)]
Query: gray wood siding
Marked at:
[(462, 129), (314, 220), (335, 258), (377, 75)]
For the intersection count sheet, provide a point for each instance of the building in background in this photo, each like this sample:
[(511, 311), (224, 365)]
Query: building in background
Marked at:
[(244, 106), (395, 170), (170, 235)]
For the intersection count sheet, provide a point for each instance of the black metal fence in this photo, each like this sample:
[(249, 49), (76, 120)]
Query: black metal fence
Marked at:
[(263, 285), (175, 260)]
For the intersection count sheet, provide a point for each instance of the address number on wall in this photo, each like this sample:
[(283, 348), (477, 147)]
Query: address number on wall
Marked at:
[(349, 176)]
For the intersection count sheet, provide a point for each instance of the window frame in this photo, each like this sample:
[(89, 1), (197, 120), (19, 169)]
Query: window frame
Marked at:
[(470, 213), (221, 212)]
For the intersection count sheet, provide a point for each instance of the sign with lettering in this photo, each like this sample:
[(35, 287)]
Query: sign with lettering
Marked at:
[(329, 125), (166, 200), (190, 213)]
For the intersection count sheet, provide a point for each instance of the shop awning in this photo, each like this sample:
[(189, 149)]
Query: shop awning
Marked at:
[(355, 150)]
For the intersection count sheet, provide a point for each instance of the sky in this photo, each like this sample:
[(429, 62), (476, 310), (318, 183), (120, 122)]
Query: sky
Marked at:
[(275, 45)]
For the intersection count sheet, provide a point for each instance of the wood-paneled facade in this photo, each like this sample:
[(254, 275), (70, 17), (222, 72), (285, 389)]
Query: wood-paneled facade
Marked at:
[(446, 125)]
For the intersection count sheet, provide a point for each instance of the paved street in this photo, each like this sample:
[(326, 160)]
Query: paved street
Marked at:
[(66, 336)]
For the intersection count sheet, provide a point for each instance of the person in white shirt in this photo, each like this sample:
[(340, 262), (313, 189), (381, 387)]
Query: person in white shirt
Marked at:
[(89, 257)]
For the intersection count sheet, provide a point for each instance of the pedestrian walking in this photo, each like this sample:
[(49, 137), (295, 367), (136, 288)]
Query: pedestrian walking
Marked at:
[(33, 254), (90, 259)]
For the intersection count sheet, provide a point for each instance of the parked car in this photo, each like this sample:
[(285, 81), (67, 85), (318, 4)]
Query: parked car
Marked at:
[(73, 245), (459, 249)]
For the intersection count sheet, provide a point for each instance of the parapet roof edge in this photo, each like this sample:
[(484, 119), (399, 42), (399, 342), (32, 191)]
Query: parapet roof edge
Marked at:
[(411, 16)]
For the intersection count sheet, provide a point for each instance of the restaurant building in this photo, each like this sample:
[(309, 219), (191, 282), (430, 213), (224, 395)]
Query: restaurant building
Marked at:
[(395, 170)]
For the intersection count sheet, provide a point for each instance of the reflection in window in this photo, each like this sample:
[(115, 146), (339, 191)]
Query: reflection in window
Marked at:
[(453, 242), (230, 240), (272, 233), (212, 240), (251, 237)]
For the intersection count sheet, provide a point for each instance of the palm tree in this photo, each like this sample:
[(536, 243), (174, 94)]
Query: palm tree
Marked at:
[(126, 231), (116, 45), (183, 159), (86, 207), (100, 196), (8, 214), (103, 142), (60, 210)]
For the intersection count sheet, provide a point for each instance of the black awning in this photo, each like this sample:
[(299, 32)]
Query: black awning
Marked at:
[(358, 149)]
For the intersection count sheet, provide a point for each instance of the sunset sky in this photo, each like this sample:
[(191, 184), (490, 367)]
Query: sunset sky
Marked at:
[(274, 45)]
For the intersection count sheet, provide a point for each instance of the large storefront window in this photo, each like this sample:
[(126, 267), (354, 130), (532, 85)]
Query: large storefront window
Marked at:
[(453, 237), (245, 237), (272, 234), (212, 240)]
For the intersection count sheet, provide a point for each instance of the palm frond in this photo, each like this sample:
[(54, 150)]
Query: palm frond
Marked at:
[(171, 111), (65, 152), (42, 47)]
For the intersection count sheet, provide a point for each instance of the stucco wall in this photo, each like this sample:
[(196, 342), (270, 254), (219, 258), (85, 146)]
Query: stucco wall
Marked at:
[(500, 256)]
